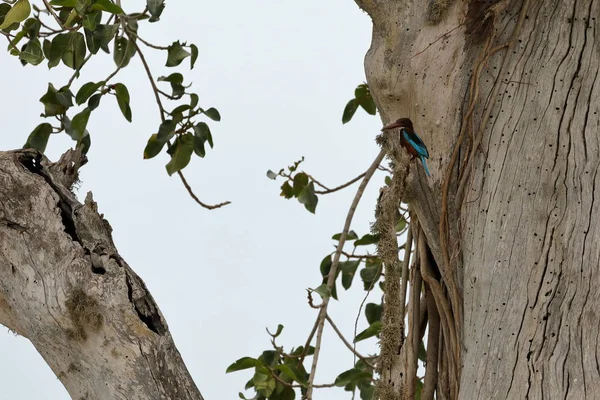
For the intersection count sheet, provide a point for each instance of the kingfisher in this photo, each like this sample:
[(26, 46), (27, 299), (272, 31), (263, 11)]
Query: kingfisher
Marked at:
[(410, 140)]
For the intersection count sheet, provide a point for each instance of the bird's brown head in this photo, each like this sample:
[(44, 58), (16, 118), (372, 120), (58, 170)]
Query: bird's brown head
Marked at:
[(400, 123)]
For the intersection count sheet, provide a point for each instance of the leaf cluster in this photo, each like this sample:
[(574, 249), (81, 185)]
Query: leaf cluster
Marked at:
[(70, 32), (297, 185)]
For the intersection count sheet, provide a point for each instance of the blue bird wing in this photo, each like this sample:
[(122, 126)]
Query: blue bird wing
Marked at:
[(415, 141), (425, 165)]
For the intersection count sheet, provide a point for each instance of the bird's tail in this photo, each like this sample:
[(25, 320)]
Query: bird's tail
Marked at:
[(425, 166)]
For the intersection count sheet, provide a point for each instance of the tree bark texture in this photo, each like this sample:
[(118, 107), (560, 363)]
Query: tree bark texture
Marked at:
[(64, 286), (505, 95)]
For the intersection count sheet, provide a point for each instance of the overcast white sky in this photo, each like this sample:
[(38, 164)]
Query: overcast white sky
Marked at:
[(280, 73)]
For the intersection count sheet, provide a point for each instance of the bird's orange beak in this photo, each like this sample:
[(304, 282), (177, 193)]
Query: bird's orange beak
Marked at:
[(392, 125)]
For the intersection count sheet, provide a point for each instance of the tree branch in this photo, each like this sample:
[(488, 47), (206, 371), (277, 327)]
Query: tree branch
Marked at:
[(332, 272), (348, 345), (162, 117)]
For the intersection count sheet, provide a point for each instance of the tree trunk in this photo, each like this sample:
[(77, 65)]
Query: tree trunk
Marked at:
[(505, 95), (64, 287)]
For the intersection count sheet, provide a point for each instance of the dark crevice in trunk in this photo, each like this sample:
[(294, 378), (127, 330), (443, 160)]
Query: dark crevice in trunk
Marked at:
[(145, 308)]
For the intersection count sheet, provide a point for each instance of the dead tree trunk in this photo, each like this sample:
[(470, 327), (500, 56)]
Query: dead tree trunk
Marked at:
[(505, 94), (64, 286)]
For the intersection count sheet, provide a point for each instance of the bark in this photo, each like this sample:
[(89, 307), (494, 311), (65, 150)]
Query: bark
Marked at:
[(505, 94), (64, 286)]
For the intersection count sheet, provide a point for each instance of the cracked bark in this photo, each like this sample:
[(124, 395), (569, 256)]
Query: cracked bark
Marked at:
[(64, 286), (525, 242)]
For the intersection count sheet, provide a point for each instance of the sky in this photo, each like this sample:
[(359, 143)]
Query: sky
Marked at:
[(280, 73)]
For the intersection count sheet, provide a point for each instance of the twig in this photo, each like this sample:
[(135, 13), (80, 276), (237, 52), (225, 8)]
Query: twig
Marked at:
[(362, 303), (162, 117), (76, 72), (334, 266), (327, 190), (292, 385), (308, 341), (357, 256), (51, 11), (348, 345), (193, 195), (129, 31)]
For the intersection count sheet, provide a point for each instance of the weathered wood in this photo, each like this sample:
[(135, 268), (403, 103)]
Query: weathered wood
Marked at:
[(64, 286), (524, 231)]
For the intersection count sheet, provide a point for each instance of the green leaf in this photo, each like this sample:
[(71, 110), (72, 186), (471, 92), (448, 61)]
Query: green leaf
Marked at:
[(181, 153), (243, 363), (123, 100), (353, 375), (269, 358), (349, 111), (366, 391), (368, 104), (179, 110), (348, 269), (91, 21), (213, 114), (194, 50), (199, 149), (363, 97), (86, 91), (176, 54), (155, 8), (351, 235), (108, 6), (15, 41), (323, 291), (176, 80), (52, 105), (371, 273), (309, 198), (64, 3), (32, 53), (17, 14), (277, 333), (79, 124), (202, 131), (300, 182), (373, 312), (153, 147), (101, 37), (286, 190), (166, 130), (94, 101), (74, 51), (325, 265), (38, 139), (57, 48), (292, 373), (367, 240), (193, 100), (401, 224), (264, 383), (124, 49), (271, 175), (418, 389), (4, 9), (422, 355), (32, 28), (371, 331)]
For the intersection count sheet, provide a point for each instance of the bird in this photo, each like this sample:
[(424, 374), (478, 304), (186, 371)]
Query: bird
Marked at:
[(410, 140)]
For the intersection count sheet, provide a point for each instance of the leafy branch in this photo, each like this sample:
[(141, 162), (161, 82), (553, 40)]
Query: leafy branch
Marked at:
[(71, 32)]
